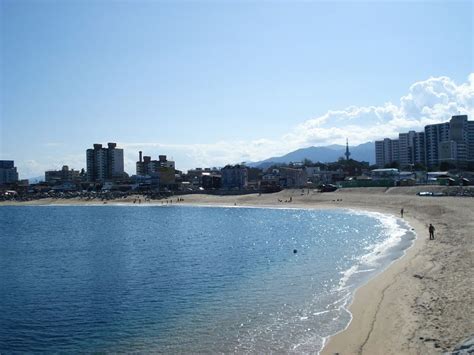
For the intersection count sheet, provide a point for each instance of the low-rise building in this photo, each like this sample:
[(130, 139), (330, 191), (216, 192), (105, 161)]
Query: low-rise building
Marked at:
[(195, 177), (326, 176), (292, 178), (270, 181), (146, 181), (54, 177), (234, 177), (433, 176), (157, 172), (211, 181), (385, 174), (167, 177), (407, 178)]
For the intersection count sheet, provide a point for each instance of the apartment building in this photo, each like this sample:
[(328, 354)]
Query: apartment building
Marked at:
[(104, 163), (451, 142)]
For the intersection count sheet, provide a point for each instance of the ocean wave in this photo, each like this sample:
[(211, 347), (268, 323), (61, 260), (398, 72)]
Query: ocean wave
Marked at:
[(394, 230)]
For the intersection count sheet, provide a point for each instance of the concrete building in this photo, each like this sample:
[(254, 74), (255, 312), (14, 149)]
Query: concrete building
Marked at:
[(292, 178), (194, 176), (208, 178), (211, 181), (419, 148), (434, 135), (411, 148), (470, 142), (447, 151), (167, 177), (146, 181), (395, 150), (387, 151), (451, 142), (457, 150), (59, 176), (104, 163), (328, 177), (406, 143), (234, 177), (8, 172), (161, 170), (381, 152), (146, 166), (165, 163)]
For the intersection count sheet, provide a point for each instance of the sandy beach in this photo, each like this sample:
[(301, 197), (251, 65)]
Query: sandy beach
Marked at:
[(423, 303)]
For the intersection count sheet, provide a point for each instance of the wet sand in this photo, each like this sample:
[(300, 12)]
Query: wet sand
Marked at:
[(423, 303)]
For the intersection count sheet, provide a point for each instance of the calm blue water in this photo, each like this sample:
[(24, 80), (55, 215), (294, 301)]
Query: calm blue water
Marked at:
[(184, 279)]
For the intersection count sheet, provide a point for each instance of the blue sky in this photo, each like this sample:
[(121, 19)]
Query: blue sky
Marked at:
[(215, 82)]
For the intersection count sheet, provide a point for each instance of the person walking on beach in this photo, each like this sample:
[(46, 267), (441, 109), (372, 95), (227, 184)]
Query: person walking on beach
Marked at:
[(401, 212), (431, 229)]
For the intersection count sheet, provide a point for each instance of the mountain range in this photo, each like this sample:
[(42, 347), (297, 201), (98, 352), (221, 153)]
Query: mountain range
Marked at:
[(323, 154)]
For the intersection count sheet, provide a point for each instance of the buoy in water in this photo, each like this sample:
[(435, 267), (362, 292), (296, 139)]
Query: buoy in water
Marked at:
[(295, 251)]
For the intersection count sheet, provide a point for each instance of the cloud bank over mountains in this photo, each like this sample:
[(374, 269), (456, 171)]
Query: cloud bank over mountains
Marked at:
[(429, 101)]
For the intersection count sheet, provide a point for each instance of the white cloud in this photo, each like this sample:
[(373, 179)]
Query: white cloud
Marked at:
[(430, 101), (31, 168), (36, 167), (189, 156)]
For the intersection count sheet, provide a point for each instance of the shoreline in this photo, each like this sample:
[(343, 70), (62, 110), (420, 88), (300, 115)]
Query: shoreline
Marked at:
[(416, 304), (349, 343), (406, 229)]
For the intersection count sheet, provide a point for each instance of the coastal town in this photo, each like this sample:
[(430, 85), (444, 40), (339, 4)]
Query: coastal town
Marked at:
[(441, 154), (237, 177)]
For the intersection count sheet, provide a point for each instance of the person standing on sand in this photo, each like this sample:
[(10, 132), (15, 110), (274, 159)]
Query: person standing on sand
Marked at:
[(431, 229), (401, 212)]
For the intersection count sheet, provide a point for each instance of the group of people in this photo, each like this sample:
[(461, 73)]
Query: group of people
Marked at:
[(179, 199), (431, 228)]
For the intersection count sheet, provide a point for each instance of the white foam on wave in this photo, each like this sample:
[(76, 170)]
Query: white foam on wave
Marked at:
[(393, 229)]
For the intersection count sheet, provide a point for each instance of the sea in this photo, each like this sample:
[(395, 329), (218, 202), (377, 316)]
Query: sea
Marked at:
[(185, 279)]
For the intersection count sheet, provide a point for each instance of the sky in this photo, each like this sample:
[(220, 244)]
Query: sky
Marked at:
[(214, 82)]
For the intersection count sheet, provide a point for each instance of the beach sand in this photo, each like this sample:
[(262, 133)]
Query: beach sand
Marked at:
[(423, 303)]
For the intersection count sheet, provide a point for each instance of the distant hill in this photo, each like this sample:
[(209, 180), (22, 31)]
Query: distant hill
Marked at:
[(326, 154)]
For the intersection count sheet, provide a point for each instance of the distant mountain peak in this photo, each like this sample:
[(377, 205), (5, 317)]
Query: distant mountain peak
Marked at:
[(323, 154), (335, 146)]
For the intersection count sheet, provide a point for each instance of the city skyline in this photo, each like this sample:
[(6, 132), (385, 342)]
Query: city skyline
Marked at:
[(450, 143), (209, 84)]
